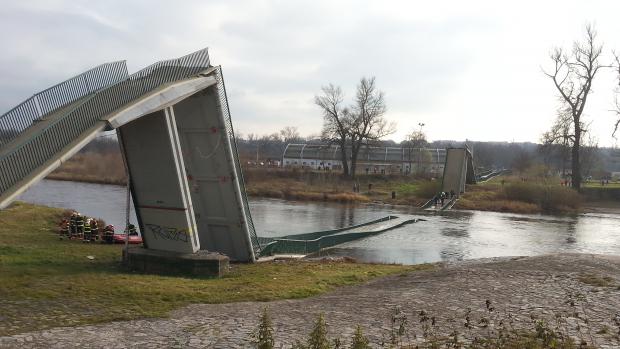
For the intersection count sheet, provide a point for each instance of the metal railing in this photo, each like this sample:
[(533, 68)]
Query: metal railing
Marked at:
[(18, 119), (221, 88), (24, 158)]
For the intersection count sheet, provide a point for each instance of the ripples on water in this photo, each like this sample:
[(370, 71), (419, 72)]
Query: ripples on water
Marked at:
[(454, 235)]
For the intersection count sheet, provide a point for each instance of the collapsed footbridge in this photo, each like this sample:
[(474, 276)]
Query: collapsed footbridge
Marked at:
[(174, 128)]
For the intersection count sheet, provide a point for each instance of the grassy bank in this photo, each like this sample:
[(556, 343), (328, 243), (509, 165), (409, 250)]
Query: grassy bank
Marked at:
[(330, 186), (45, 282), (511, 194), (100, 168)]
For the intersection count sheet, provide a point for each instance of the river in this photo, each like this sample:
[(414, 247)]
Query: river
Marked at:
[(450, 236)]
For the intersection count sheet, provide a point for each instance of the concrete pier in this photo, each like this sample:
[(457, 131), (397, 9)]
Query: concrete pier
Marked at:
[(201, 263)]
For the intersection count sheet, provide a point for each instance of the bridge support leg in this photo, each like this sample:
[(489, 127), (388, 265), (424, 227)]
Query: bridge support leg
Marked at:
[(159, 184)]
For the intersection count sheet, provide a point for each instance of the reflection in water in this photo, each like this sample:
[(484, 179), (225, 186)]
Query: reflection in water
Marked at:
[(447, 236)]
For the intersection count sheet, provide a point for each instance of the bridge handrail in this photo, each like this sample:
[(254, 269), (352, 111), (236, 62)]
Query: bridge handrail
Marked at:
[(26, 157), (254, 239), (22, 116)]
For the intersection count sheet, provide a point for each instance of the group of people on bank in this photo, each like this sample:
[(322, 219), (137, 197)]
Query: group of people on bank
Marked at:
[(88, 229), (442, 196)]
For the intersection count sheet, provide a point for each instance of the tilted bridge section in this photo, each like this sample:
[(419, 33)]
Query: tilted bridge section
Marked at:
[(458, 171), (173, 123)]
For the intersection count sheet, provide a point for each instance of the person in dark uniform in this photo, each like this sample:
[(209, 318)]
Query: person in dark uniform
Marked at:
[(87, 230), (64, 229), (73, 225), (79, 222), (94, 230), (132, 230), (108, 234)]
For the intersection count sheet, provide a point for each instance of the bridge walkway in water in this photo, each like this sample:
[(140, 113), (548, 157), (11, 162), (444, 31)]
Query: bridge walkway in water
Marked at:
[(307, 243)]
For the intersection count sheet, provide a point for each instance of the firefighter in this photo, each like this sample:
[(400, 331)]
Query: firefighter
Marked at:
[(94, 230), (64, 229), (73, 225), (79, 222), (108, 234), (132, 230), (87, 230)]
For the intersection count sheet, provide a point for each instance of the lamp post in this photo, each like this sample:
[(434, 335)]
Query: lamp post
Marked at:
[(421, 124)]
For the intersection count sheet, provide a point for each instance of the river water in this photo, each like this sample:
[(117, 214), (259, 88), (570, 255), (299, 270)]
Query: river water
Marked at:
[(450, 236)]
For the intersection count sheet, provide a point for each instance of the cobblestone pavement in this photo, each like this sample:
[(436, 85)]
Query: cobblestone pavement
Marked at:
[(538, 286)]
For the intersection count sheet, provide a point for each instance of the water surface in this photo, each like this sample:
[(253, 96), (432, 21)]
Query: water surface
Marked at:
[(450, 236)]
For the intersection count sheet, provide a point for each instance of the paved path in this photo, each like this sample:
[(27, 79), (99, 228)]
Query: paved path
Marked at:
[(523, 287)]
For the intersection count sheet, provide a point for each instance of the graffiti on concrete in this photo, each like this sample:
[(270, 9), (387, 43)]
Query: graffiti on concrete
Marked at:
[(168, 233)]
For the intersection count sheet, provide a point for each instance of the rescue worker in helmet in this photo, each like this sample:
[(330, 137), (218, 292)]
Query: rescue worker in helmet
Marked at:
[(108, 234), (87, 230), (73, 225), (64, 229), (94, 229), (132, 230), (79, 221)]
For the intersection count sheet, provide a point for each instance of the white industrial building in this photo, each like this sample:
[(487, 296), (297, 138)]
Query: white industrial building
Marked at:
[(371, 160)]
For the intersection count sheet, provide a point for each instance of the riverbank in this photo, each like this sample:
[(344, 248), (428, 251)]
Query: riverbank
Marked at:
[(92, 167), (547, 297), (46, 282), (501, 194)]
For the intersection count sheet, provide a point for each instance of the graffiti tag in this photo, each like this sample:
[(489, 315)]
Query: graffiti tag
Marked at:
[(168, 233)]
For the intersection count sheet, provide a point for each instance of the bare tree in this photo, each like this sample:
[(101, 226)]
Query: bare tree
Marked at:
[(560, 137), (572, 76), (417, 139), (617, 109), (336, 120), (368, 118), (290, 134)]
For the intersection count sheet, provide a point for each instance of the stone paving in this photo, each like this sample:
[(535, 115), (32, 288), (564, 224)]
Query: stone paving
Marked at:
[(524, 287)]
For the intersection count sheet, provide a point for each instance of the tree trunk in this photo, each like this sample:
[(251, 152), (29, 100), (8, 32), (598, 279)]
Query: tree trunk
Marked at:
[(343, 158), (576, 165), (354, 151)]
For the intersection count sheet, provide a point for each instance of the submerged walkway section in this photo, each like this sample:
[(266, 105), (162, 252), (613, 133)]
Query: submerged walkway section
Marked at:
[(313, 242)]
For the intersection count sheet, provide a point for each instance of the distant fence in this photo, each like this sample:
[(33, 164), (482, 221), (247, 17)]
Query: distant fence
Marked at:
[(18, 119)]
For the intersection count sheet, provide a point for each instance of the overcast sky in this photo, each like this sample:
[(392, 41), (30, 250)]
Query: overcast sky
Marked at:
[(467, 69)]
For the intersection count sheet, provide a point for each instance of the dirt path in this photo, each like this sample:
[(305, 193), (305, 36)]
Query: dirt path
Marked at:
[(524, 287)]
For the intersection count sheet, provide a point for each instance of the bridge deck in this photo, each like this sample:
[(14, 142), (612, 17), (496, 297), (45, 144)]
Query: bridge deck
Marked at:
[(313, 242), (379, 227)]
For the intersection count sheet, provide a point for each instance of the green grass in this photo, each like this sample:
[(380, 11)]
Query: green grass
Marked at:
[(46, 282), (595, 184)]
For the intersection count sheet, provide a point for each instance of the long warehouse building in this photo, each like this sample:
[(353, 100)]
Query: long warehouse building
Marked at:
[(371, 160)]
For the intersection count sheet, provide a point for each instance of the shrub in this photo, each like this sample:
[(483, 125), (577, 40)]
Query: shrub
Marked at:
[(264, 337), (359, 341), (317, 338), (548, 197)]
